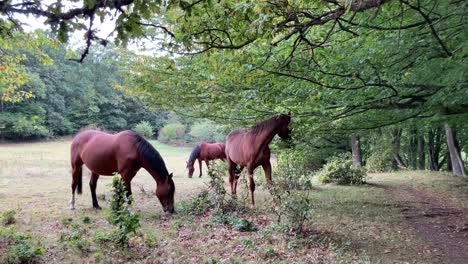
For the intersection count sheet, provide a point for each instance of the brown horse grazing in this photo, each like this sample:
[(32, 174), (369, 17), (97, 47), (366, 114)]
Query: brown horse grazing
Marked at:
[(125, 153), (249, 148), (205, 151)]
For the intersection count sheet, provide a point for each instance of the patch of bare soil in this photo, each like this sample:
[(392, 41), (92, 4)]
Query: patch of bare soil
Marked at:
[(436, 221)]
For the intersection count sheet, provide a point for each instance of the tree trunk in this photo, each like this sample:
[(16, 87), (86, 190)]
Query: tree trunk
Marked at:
[(412, 151), (421, 153), (356, 152), (434, 146), (455, 159), (397, 160)]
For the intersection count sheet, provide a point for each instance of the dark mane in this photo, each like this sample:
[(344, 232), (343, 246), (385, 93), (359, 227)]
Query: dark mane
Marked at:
[(150, 154), (260, 127), (194, 155)]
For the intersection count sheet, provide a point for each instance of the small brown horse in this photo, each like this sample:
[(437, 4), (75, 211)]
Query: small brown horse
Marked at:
[(205, 152), (125, 153), (249, 148)]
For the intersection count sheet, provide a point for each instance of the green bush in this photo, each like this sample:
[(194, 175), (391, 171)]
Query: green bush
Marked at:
[(237, 223), (381, 153), (198, 205), (126, 221), (205, 131), (291, 191), (20, 248), (380, 160), (144, 128), (30, 127), (340, 170), (24, 251), (8, 217), (75, 238), (172, 132), (214, 197)]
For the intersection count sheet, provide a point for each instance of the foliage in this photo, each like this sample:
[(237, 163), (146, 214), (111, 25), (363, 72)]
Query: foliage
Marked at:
[(121, 216), (75, 238), (197, 205), (144, 128), (8, 217), (339, 169), (172, 132), (291, 192), (14, 76), (205, 131), (213, 197), (237, 223), (21, 248), (67, 97), (381, 156)]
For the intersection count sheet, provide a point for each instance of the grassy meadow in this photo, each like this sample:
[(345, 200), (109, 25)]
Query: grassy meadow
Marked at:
[(349, 225)]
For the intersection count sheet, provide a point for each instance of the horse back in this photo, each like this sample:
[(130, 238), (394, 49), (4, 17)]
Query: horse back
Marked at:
[(103, 153), (210, 151)]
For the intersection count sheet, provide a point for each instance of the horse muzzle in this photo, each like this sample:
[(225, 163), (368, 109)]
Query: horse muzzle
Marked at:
[(169, 209)]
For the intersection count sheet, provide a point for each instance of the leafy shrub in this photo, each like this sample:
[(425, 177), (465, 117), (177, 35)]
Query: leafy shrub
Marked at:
[(237, 223), (340, 170), (205, 131), (75, 238), (30, 127), (198, 205), (380, 160), (24, 251), (126, 221), (291, 191), (214, 197), (171, 133), (21, 248), (8, 217), (381, 153), (144, 128)]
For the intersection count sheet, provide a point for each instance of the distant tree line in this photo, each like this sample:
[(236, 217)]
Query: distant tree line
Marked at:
[(64, 96)]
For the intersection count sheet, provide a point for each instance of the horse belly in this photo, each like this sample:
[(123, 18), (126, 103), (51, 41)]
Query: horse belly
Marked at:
[(100, 162)]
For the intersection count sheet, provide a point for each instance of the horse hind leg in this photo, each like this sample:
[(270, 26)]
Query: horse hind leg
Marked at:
[(252, 190), (92, 186), (232, 177), (77, 182)]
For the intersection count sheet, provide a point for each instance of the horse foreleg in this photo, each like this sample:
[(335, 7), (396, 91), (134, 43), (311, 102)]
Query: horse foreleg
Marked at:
[(200, 164), (207, 164), (92, 186)]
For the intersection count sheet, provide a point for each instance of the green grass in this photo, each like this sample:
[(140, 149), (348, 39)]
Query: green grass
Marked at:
[(349, 224)]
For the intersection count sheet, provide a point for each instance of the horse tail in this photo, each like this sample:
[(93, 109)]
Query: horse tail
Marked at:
[(194, 154)]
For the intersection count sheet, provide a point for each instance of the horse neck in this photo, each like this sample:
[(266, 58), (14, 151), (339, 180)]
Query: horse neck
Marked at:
[(152, 172), (266, 136)]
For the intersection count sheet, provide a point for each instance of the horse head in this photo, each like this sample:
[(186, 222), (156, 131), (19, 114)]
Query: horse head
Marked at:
[(165, 193), (284, 131), (190, 168)]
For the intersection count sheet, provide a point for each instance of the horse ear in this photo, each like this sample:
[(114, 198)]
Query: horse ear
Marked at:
[(170, 175), (289, 113)]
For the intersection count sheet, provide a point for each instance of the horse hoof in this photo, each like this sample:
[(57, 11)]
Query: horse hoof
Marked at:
[(97, 207), (72, 208), (252, 206)]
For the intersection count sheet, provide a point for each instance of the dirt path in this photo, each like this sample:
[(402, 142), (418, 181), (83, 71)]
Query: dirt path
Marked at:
[(442, 225)]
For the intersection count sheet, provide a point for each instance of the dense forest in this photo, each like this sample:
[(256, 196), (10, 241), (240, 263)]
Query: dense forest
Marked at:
[(387, 77)]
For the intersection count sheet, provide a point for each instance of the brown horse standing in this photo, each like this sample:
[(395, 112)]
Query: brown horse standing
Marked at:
[(205, 151), (125, 153), (249, 148)]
